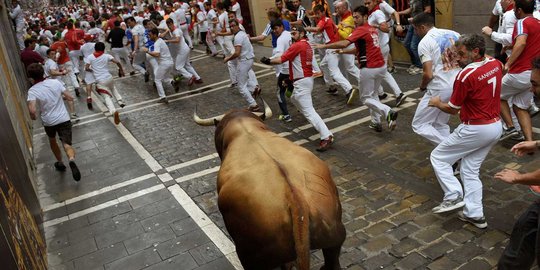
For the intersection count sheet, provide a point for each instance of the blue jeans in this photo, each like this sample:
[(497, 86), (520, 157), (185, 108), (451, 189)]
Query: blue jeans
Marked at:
[(524, 245), (411, 44)]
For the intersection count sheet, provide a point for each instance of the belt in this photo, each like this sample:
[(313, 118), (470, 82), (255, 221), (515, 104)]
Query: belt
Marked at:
[(481, 121), (297, 79), (183, 23)]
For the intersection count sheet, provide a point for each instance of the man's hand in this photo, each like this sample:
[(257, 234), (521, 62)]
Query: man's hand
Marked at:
[(434, 101), (265, 60), (523, 148), (486, 30), (145, 49), (507, 175)]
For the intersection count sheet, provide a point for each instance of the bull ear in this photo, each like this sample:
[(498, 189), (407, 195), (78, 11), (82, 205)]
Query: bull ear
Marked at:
[(267, 111)]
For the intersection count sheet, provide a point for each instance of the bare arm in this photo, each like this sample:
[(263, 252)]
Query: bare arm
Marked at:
[(32, 109), (336, 45), (67, 96), (519, 46), (237, 50), (443, 106)]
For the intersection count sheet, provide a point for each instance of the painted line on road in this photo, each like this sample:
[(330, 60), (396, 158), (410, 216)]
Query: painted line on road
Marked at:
[(104, 205), (191, 162), (197, 174), (97, 192), (222, 242)]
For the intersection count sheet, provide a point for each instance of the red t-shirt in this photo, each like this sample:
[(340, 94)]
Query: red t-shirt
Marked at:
[(329, 30), (477, 90), (61, 46), (300, 57), (74, 38), (368, 51), (531, 27)]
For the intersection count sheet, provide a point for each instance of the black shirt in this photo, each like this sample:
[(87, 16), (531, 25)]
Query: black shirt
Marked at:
[(116, 37)]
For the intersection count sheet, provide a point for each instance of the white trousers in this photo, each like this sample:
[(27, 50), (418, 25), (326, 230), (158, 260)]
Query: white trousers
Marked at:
[(430, 122), (69, 79), (183, 65), (471, 144), (330, 69), (301, 98), (185, 33), (370, 81), (388, 78), (348, 67), (210, 42), (517, 86), (246, 85), (121, 55), (162, 72), (107, 90), (74, 57)]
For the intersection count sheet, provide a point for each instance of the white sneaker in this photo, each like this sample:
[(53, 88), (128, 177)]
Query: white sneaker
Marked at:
[(446, 206)]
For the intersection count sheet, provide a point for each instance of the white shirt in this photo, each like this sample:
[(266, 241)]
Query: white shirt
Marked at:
[(388, 11), (48, 96), (42, 50), (18, 15), (375, 19), (283, 43), (88, 49), (180, 17), (201, 17), (97, 32), (430, 49), (236, 9), (504, 33), (164, 54), (241, 39), (138, 30), (182, 45), (100, 66), (223, 21), (210, 15), (48, 67)]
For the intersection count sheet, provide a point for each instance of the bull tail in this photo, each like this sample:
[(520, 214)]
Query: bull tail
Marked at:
[(300, 228)]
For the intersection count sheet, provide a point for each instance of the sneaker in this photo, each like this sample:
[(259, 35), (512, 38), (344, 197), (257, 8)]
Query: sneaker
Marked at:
[(199, 81), (535, 190), (59, 166), (325, 144), (254, 108), (455, 168), (191, 81), (257, 92), (477, 222), (89, 103), (391, 119), (132, 73), (400, 99), (351, 96), (534, 110), (518, 137), (375, 126), (383, 96), (285, 118), (332, 90), (233, 85), (77, 92), (163, 100), (507, 133), (446, 206), (415, 70), (75, 118), (176, 85), (116, 116), (121, 104), (391, 69), (75, 171), (146, 77), (410, 68)]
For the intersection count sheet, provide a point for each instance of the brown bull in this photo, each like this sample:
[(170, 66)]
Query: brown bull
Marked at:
[(278, 200)]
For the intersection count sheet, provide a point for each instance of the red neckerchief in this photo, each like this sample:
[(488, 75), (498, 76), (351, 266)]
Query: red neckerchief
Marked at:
[(346, 15), (510, 7), (98, 53), (373, 10)]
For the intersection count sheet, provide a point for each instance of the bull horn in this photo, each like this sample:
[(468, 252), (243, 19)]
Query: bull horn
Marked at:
[(267, 111), (206, 121)]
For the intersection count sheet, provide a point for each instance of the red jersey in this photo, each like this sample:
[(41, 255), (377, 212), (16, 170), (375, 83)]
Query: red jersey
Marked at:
[(368, 52), (477, 90), (299, 56), (61, 46), (329, 30), (531, 27), (74, 39)]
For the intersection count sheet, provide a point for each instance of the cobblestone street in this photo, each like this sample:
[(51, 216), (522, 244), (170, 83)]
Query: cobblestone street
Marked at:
[(147, 197)]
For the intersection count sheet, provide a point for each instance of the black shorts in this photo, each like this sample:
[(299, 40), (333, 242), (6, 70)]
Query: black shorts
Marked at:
[(63, 130)]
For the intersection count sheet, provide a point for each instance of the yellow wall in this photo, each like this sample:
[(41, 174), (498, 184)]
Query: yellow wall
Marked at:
[(259, 19)]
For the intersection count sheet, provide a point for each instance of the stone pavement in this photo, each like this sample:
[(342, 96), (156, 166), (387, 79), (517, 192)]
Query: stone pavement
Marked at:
[(147, 198)]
